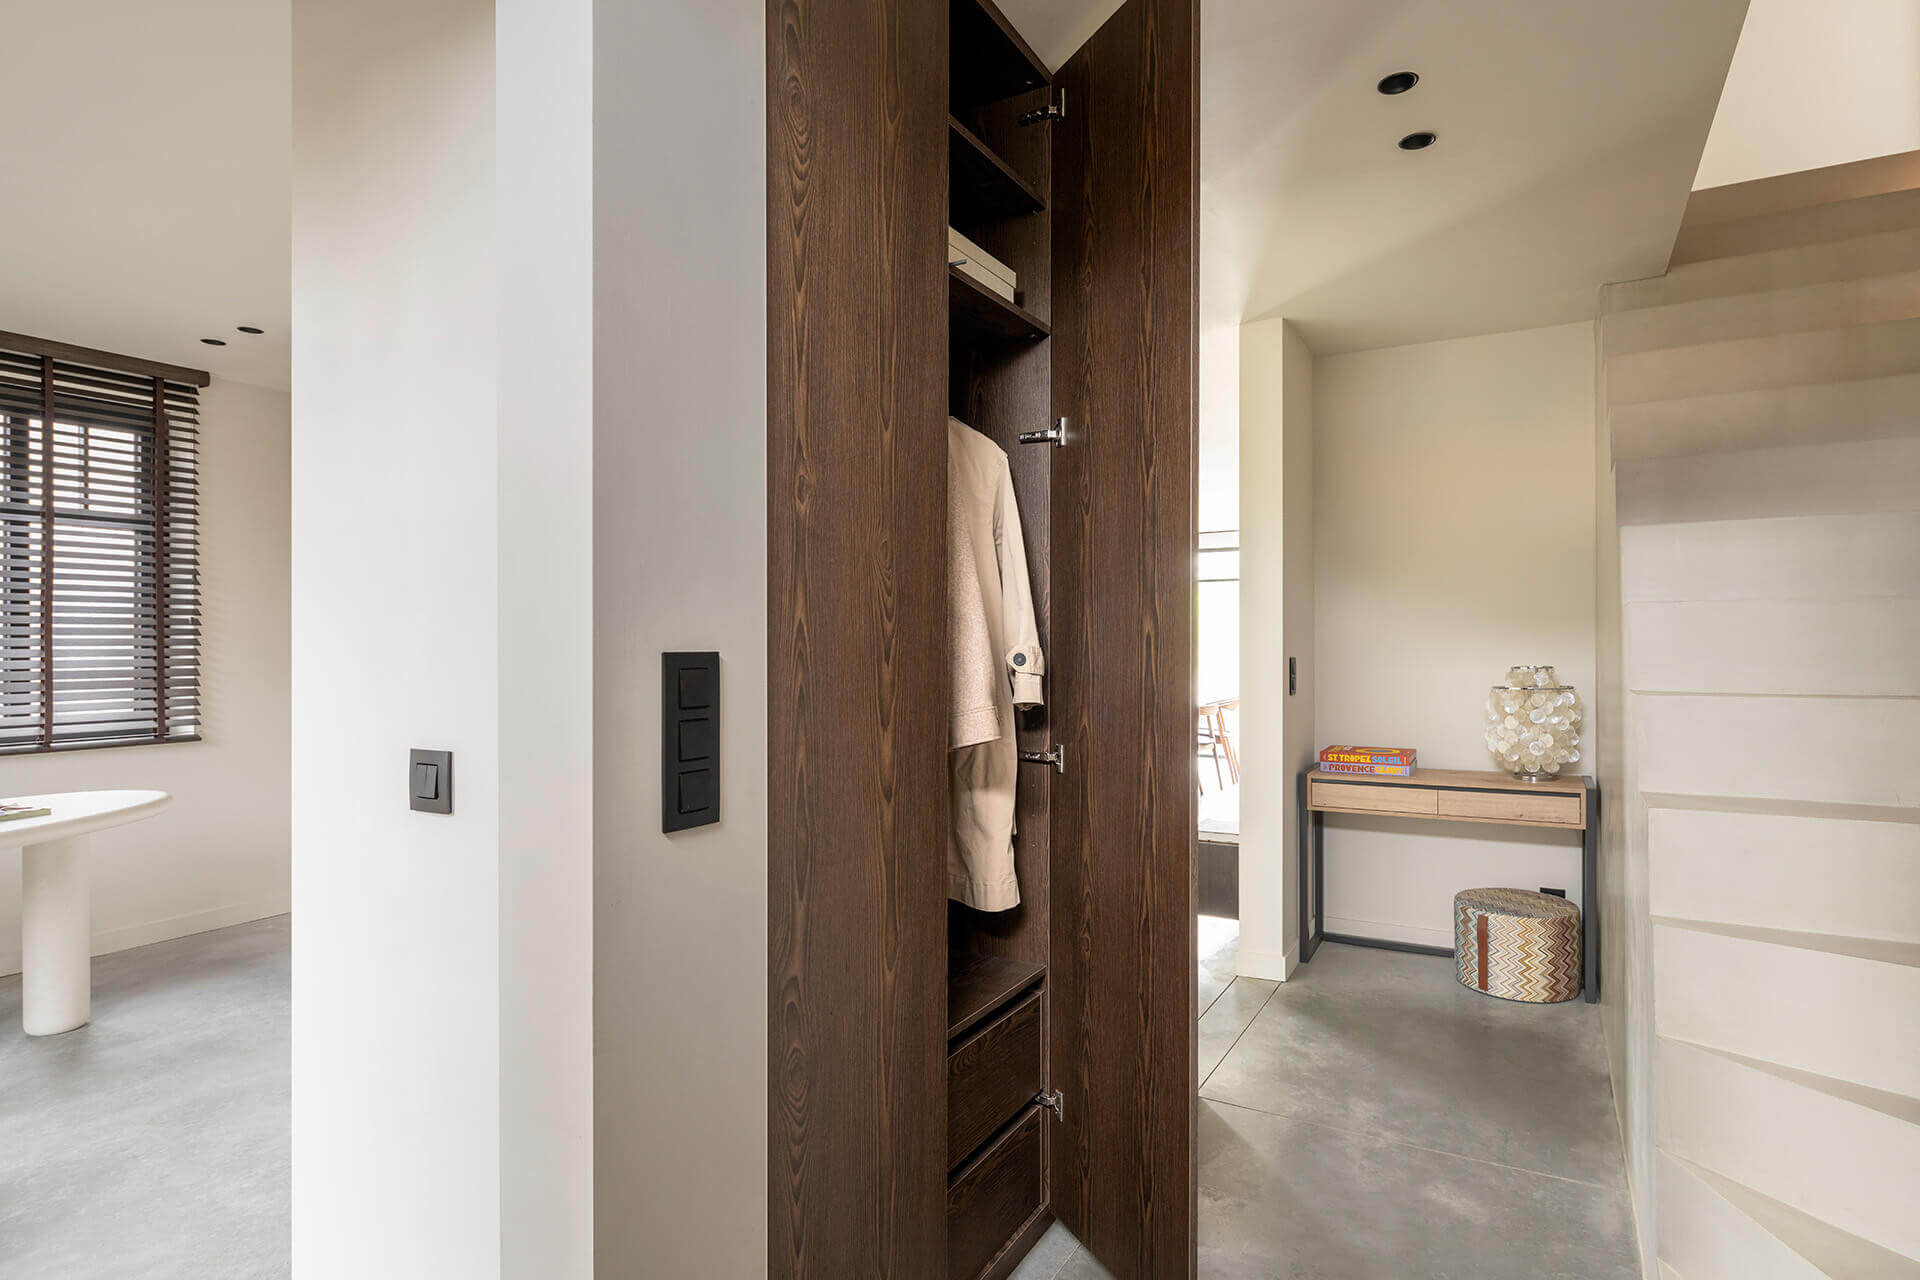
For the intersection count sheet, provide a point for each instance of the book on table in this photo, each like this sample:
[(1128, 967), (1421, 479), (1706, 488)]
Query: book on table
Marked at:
[(14, 812), (1372, 770), (1399, 760)]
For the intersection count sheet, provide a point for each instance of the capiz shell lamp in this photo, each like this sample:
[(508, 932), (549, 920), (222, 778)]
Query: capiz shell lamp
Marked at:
[(1533, 723)]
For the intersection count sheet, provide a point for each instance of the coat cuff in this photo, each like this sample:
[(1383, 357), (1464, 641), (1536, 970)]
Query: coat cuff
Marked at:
[(1026, 665)]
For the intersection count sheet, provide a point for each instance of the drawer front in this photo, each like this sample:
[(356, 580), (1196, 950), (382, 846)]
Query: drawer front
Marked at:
[(991, 1075), (1511, 806), (992, 1198), (1376, 799)]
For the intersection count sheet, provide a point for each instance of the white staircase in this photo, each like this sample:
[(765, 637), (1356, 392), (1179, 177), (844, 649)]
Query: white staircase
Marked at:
[(1791, 315), (1762, 406)]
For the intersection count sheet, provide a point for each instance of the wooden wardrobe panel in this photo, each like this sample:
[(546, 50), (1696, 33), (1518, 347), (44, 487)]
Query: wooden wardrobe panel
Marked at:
[(1121, 973), (856, 479)]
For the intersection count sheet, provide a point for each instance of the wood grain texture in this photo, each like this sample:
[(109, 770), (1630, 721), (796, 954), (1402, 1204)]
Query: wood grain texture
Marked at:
[(856, 462), (992, 1197), (1125, 204), (978, 983), (991, 1075), (1480, 779)]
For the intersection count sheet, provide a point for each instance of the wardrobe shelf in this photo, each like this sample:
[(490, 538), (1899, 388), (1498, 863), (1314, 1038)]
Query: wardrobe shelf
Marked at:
[(973, 310), (988, 59), (978, 985), (981, 187)]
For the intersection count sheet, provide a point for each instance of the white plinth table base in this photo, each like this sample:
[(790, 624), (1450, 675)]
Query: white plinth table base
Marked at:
[(56, 920), (56, 936)]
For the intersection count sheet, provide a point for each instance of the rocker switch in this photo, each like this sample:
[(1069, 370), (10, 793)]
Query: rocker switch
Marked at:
[(689, 740), (431, 777)]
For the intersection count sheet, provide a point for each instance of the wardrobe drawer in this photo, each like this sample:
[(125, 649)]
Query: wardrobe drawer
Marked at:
[(991, 1075), (993, 1197), (1510, 806), (1379, 798)]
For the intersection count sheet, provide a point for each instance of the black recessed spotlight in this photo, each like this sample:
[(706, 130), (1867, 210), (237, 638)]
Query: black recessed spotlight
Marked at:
[(215, 342), (1398, 82), (1418, 141), (247, 328)]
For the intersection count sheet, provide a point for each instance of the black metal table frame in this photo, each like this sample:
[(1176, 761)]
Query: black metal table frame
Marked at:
[(1313, 887)]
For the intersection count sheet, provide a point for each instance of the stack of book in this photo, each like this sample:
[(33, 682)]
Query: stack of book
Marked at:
[(981, 267), (1390, 761)]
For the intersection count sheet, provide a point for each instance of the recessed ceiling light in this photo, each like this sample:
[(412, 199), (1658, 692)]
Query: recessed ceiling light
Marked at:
[(1418, 141), (215, 342), (247, 328), (1399, 82)]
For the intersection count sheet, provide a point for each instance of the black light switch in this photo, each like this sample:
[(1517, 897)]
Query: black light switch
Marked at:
[(430, 781), (689, 740)]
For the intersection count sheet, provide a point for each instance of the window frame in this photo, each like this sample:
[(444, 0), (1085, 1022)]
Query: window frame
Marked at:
[(46, 495)]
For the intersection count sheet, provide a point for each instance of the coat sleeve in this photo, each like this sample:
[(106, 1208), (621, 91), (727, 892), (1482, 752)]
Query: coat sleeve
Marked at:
[(1025, 663)]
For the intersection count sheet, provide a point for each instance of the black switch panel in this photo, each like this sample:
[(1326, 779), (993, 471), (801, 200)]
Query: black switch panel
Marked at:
[(689, 740), (430, 781)]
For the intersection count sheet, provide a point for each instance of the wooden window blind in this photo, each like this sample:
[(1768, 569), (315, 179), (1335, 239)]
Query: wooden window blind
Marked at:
[(99, 552)]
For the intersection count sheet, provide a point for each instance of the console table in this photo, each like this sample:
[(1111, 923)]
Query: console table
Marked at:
[(1448, 795)]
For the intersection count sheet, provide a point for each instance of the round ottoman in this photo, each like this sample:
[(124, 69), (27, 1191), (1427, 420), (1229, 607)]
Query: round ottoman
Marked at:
[(1517, 945)]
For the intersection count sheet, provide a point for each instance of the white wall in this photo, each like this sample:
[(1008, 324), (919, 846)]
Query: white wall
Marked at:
[(1453, 513), (1219, 419), (1277, 504), (1815, 83), (440, 518), (680, 921), (219, 856), (544, 185)]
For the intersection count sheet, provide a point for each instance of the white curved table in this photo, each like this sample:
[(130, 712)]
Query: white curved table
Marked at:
[(56, 934)]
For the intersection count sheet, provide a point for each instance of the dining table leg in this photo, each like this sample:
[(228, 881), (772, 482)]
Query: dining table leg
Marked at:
[(56, 936)]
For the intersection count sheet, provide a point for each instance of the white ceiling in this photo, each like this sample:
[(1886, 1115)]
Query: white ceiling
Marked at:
[(148, 147), (1569, 134), (1055, 28)]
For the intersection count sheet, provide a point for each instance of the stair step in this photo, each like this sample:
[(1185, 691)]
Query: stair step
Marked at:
[(1859, 351), (1841, 220), (1827, 413), (1886, 253), (1804, 189), (1833, 305)]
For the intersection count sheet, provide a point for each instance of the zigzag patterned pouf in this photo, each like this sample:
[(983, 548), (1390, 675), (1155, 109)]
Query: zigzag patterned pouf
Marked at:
[(1517, 945)]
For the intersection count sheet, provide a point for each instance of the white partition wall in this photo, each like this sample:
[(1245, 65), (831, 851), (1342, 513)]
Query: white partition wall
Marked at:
[(442, 551)]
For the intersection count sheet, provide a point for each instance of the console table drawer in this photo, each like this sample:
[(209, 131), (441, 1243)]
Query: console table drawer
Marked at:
[(1514, 806), (1374, 799)]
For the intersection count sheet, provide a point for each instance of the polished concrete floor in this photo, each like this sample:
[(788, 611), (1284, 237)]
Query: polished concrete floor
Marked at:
[(1372, 1119), (1369, 1119), (152, 1144)]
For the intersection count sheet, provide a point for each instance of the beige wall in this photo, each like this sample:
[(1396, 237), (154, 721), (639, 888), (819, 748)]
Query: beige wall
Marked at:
[(1453, 537), (1814, 83), (220, 855), (1276, 622), (680, 921)]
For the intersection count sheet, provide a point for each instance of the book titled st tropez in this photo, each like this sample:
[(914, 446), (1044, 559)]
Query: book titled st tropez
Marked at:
[(1400, 757), (1376, 770), (14, 812)]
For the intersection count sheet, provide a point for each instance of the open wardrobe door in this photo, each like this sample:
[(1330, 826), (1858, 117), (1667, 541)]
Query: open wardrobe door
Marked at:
[(1126, 199)]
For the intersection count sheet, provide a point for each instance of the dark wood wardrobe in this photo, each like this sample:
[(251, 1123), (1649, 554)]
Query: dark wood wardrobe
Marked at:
[(944, 1083)]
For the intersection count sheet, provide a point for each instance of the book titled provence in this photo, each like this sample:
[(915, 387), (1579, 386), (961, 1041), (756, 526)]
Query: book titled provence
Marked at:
[(1398, 759), (1371, 770)]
